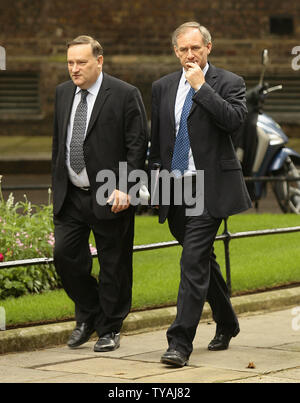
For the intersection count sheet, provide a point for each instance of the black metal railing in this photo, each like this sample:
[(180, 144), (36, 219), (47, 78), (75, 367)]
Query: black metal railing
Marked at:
[(26, 187), (247, 179), (272, 178), (226, 237)]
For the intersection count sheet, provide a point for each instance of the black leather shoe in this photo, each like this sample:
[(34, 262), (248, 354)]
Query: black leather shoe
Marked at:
[(221, 340), (175, 358), (80, 334), (108, 342)]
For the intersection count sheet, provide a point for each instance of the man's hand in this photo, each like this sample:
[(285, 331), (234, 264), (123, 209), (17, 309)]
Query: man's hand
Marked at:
[(194, 75), (121, 201)]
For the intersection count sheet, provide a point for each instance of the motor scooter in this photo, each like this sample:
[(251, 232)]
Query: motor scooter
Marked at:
[(261, 148)]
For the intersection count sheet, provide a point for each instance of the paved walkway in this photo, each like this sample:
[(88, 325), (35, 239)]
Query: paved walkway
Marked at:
[(267, 350)]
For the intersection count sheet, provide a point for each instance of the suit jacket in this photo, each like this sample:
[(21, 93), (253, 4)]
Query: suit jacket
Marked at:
[(117, 132), (218, 110)]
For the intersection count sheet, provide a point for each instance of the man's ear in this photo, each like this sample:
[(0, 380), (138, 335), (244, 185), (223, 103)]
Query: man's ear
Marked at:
[(209, 47), (100, 61), (176, 51)]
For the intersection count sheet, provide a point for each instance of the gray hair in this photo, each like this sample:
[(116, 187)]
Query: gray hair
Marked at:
[(97, 49), (193, 24)]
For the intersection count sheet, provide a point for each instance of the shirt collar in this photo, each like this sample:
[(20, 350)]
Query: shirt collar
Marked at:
[(94, 89), (205, 68)]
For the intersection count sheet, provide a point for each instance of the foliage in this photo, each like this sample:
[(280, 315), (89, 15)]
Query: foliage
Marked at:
[(26, 231)]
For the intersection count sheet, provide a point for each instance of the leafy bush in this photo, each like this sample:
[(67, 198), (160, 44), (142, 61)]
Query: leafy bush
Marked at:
[(26, 231)]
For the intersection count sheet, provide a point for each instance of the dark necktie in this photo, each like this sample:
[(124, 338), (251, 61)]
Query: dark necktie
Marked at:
[(76, 147), (180, 160)]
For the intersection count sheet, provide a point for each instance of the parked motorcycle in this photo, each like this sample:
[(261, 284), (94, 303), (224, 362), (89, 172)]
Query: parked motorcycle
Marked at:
[(262, 151)]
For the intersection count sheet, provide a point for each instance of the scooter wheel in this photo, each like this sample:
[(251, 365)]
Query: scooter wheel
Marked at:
[(287, 193)]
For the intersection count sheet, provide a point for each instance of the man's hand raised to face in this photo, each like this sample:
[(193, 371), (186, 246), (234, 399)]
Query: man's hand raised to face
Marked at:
[(194, 75)]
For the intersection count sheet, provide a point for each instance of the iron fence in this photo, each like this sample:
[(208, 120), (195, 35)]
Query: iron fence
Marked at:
[(272, 178), (247, 179), (226, 236)]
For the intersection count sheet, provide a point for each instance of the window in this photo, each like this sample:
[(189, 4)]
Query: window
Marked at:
[(281, 25), (19, 94)]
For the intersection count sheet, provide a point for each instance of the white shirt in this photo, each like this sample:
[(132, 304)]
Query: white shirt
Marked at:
[(81, 180), (182, 91)]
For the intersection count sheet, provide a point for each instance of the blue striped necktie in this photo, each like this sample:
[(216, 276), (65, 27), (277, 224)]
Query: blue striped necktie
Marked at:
[(180, 160)]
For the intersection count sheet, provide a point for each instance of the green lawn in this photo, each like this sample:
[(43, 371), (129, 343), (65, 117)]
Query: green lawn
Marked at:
[(256, 263)]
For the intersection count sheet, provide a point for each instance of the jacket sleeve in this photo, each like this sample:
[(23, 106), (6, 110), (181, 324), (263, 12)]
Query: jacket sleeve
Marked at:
[(154, 155), (135, 132), (227, 108), (54, 138)]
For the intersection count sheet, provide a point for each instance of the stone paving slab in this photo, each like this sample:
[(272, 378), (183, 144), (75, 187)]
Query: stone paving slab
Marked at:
[(128, 369)]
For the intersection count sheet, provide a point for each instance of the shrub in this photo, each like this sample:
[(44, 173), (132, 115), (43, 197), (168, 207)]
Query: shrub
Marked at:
[(26, 231)]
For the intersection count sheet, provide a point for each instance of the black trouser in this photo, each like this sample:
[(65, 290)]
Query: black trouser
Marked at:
[(106, 302), (201, 278)]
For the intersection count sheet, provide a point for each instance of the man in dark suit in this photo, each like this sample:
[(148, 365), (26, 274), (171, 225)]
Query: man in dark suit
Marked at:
[(195, 112), (99, 122)]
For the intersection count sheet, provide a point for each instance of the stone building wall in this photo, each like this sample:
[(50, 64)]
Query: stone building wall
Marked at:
[(135, 35)]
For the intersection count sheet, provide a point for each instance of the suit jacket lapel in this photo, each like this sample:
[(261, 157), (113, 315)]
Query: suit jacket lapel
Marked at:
[(68, 102), (211, 75), (103, 93), (173, 87)]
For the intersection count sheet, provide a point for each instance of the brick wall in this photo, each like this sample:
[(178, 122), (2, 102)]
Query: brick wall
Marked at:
[(135, 35)]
